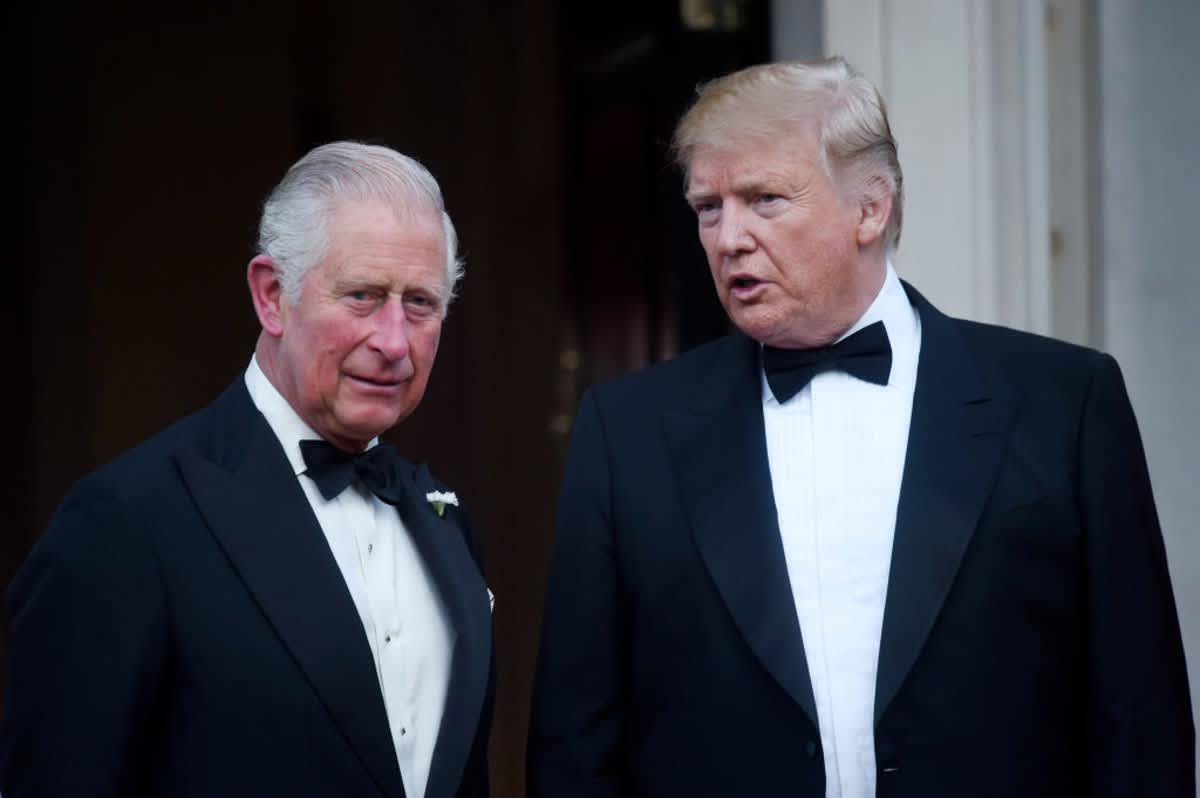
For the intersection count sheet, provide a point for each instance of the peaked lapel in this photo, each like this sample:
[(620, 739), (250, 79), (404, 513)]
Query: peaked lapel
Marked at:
[(956, 440), (720, 453), (443, 547), (247, 492)]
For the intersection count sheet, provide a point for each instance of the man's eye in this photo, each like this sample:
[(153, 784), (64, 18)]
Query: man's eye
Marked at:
[(362, 299), (420, 305), (706, 211)]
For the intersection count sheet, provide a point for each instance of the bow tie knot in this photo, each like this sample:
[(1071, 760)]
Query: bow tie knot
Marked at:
[(333, 469), (867, 355)]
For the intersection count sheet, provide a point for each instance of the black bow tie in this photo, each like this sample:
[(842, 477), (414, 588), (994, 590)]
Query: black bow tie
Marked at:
[(867, 355), (333, 469)]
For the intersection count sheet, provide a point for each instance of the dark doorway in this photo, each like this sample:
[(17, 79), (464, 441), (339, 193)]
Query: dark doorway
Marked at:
[(639, 287)]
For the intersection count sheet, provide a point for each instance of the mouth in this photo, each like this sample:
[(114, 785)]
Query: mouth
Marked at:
[(744, 288), (376, 384)]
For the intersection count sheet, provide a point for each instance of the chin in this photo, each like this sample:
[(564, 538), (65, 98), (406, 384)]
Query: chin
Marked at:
[(758, 329), (366, 426)]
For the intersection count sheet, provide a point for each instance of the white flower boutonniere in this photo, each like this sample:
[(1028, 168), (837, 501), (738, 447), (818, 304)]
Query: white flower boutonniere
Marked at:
[(439, 499)]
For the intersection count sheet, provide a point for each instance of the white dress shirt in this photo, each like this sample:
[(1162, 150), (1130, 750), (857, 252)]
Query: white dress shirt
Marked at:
[(836, 453), (403, 616)]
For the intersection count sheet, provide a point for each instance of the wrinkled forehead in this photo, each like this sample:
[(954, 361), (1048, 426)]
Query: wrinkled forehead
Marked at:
[(749, 154)]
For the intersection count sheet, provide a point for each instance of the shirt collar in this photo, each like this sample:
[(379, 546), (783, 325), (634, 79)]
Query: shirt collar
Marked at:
[(282, 418)]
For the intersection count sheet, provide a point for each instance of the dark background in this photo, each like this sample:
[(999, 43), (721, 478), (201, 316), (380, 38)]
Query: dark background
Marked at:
[(149, 133)]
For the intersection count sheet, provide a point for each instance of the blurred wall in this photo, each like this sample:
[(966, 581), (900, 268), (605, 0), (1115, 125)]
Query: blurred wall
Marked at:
[(796, 30)]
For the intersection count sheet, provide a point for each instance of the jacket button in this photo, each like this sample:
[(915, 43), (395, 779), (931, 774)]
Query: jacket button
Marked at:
[(811, 749)]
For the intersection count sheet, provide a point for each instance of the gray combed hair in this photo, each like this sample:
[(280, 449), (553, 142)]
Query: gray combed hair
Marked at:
[(855, 141), (293, 230)]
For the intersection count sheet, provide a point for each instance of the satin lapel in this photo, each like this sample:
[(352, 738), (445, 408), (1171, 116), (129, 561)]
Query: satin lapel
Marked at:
[(720, 453), (464, 594), (257, 511), (955, 444)]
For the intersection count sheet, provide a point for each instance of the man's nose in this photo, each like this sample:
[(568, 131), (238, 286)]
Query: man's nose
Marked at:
[(733, 237), (391, 331)]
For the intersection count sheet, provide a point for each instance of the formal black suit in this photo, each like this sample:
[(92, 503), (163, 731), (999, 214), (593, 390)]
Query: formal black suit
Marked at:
[(1030, 644), (183, 629)]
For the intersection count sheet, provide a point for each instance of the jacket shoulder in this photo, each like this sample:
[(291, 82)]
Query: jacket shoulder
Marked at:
[(1028, 357)]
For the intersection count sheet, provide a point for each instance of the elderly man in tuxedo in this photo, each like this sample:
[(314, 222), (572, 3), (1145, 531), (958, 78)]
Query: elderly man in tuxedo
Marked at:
[(856, 548), (263, 599)]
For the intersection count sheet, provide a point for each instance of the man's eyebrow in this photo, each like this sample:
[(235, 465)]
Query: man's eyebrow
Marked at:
[(438, 295), (344, 282), (741, 185)]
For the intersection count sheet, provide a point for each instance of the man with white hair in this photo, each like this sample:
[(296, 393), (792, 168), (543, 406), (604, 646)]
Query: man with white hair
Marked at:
[(856, 548), (263, 599)]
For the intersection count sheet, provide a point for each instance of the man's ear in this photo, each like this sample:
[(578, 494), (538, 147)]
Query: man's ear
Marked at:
[(874, 210), (266, 292)]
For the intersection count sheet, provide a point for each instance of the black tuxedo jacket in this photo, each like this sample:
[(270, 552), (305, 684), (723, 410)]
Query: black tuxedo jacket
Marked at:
[(183, 629), (1030, 645)]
